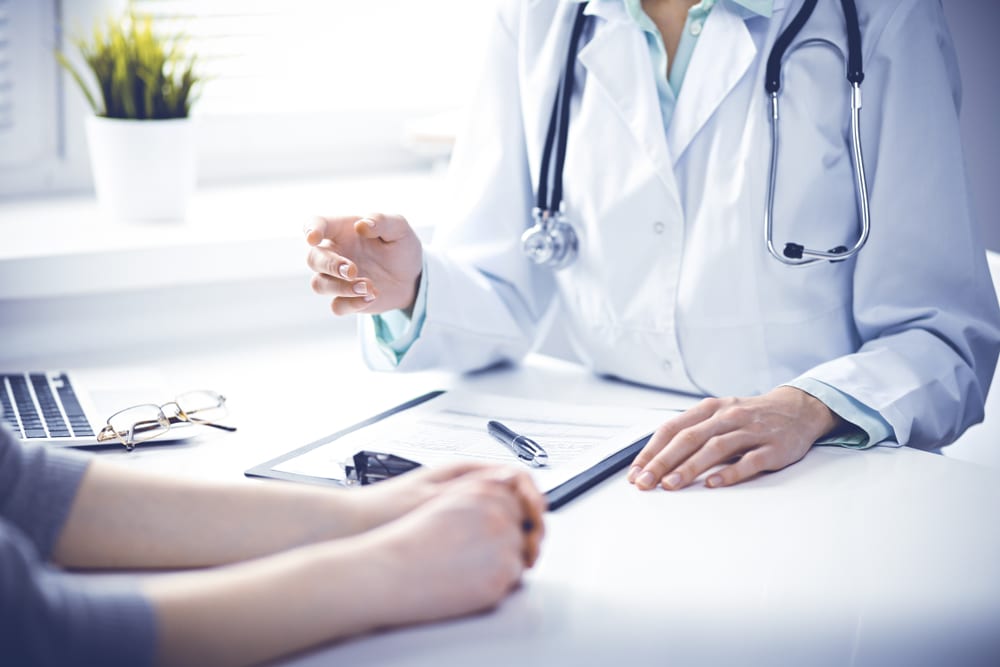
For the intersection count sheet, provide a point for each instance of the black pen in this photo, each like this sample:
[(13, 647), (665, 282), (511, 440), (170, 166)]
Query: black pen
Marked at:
[(524, 448)]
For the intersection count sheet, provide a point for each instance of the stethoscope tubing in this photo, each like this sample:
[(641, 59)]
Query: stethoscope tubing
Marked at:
[(810, 256), (559, 124), (793, 253), (550, 230)]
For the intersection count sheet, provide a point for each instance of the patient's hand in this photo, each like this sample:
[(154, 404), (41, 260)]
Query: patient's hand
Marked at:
[(460, 552), (386, 501)]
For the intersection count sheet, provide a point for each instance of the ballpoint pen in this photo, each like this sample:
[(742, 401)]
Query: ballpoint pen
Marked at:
[(524, 448)]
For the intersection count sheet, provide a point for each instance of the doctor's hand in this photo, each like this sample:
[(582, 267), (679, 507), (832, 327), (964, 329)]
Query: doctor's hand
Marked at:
[(750, 435), (368, 264)]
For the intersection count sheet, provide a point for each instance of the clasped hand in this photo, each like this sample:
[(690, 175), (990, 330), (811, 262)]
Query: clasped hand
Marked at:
[(466, 532)]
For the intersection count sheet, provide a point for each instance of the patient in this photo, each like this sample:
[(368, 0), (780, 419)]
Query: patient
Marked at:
[(300, 565)]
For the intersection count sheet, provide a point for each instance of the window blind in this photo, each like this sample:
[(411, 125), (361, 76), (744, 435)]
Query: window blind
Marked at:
[(6, 79), (275, 56), (28, 84)]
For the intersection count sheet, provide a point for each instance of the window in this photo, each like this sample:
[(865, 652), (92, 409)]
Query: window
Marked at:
[(28, 110), (295, 86)]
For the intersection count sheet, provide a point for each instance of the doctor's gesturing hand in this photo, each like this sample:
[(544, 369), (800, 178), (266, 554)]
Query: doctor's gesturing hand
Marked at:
[(765, 433), (368, 264)]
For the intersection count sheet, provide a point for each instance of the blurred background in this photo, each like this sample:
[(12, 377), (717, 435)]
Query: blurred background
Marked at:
[(307, 87), (294, 86)]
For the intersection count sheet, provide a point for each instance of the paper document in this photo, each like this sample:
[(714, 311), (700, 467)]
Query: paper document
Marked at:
[(452, 427)]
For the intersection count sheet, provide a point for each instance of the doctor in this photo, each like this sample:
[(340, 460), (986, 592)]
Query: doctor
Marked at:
[(665, 183)]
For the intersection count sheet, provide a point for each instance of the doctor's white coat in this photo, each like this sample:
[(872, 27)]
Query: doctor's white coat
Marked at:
[(673, 286)]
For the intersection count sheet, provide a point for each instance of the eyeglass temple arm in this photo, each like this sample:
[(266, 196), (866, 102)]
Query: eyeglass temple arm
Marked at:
[(221, 427), (175, 419)]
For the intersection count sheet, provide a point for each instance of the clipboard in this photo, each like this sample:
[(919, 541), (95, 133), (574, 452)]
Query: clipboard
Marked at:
[(557, 496)]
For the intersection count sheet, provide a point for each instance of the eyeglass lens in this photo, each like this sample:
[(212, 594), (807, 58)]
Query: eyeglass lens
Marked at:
[(139, 423), (201, 405)]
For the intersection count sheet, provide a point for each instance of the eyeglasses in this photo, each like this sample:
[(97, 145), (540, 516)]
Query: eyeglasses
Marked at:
[(141, 423), (370, 467)]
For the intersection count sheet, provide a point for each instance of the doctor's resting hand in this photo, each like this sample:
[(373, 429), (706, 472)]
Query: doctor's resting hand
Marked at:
[(271, 568), (749, 435)]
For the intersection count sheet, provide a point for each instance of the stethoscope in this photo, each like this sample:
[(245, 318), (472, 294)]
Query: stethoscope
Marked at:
[(551, 241)]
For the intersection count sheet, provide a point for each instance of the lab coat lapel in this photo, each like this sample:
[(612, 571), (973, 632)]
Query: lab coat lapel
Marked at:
[(617, 61), (724, 52)]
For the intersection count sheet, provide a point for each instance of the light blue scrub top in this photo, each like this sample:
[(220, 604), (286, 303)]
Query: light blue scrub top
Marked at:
[(396, 332)]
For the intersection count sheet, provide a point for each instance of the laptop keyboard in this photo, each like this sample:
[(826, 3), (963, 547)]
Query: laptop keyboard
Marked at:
[(40, 405)]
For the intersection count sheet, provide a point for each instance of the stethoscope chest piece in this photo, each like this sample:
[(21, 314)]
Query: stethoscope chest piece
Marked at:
[(550, 241)]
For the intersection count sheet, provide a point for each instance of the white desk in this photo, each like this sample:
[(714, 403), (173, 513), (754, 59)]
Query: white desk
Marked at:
[(882, 557)]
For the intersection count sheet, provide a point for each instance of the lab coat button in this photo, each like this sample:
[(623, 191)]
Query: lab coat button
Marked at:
[(658, 227), (696, 28)]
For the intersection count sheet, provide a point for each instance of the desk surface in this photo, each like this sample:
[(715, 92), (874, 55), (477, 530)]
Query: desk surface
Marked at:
[(886, 556)]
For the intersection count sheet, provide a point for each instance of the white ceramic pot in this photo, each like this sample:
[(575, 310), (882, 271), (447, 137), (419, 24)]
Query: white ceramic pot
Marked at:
[(144, 170)]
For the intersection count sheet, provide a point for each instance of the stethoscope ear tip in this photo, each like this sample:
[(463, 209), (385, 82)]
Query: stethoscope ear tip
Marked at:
[(796, 251), (793, 251)]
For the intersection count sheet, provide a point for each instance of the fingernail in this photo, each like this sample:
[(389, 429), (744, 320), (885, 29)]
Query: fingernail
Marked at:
[(713, 481), (646, 480), (633, 472), (672, 480), (369, 298), (360, 288), (345, 270)]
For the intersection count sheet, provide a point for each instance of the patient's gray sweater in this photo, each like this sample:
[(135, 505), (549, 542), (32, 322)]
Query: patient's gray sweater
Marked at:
[(48, 616)]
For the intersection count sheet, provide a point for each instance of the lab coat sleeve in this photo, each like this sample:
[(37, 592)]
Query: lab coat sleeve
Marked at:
[(924, 304), (485, 302), (394, 331)]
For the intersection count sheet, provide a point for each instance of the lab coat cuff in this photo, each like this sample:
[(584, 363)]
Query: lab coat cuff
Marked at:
[(395, 332), (864, 427)]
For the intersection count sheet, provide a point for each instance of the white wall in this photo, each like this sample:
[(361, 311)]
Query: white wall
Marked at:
[(975, 26)]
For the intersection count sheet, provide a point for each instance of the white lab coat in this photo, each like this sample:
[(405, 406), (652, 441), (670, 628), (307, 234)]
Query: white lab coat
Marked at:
[(673, 286)]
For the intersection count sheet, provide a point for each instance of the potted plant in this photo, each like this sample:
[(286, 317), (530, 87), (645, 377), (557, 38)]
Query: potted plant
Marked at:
[(141, 137)]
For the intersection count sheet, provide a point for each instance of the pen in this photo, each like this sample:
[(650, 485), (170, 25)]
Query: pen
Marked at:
[(524, 448)]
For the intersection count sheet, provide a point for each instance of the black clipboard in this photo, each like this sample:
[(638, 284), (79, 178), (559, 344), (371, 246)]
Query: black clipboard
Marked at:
[(556, 497)]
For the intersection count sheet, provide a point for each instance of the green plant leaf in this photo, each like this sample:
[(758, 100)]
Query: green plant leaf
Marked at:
[(140, 73)]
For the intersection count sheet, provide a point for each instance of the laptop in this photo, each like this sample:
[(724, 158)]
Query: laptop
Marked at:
[(69, 408)]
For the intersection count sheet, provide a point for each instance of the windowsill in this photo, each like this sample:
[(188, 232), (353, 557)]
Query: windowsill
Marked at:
[(55, 247)]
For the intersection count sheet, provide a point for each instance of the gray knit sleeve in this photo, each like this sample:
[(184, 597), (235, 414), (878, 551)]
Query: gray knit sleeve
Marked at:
[(48, 616), (37, 487)]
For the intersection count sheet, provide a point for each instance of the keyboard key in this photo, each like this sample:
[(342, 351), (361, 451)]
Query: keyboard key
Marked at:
[(42, 405), (77, 420), (50, 409)]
